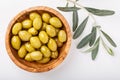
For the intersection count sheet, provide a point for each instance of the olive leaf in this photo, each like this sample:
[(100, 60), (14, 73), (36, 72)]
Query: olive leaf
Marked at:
[(80, 28), (84, 41), (100, 12), (109, 39), (68, 9), (90, 38), (93, 37), (95, 51), (109, 50), (75, 19)]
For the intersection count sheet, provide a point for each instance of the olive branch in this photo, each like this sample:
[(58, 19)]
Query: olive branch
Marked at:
[(95, 37)]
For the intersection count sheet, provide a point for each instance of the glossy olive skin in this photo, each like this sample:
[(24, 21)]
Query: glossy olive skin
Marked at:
[(54, 54), (22, 51), (39, 37), (27, 23), (46, 17), (28, 57), (35, 42), (55, 22), (50, 30), (52, 45), (36, 55), (46, 51), (37, 23), (29, 47), (43, 37), (24, 35), (15, 42), (44, 60), (59, 44), (62, 37), (34, 15), (33, 31), (16, 28)]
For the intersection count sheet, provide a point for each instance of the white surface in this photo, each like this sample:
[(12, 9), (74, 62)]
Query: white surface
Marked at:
[(76, 66)]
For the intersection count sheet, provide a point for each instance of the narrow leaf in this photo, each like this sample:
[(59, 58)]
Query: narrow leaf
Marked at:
[(109, 50), (84, 41), (93, 37), (95, 51), (80, 29), (75, 20), (109, 39), (100, 12), (68, 9)]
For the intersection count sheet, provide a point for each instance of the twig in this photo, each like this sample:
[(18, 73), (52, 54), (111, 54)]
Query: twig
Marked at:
[(82, 7)]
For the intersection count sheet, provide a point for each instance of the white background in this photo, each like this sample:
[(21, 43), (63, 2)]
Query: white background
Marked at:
[(77, 65)]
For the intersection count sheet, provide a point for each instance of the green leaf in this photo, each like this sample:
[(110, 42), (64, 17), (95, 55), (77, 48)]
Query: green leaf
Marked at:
[(95, 51), (84, 41), (109, 39), (68, 9), (93, 32), (75, 20), (80, 29), (99, 12), (109, 50)]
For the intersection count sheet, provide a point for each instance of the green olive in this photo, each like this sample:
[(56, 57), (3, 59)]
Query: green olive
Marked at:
[(36, 55), (33, 31), (59, 44), (52, 45), (43, 37), (22, 51), (54, 54), (62, 36), (44, 26), (16, 28), (27, 24), (16, 42), (50, 30), (44, 60), (28, 57), (46, 51), (46, 17), (24, 35), (37, 23), (33, 15), (55, 22), (35, 42), (29, 47)]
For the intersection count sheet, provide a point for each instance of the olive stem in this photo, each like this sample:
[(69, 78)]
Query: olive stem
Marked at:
[(82, 7)]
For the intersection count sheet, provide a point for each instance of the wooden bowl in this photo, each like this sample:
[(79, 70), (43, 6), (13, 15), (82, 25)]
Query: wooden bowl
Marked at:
[(34, 66)]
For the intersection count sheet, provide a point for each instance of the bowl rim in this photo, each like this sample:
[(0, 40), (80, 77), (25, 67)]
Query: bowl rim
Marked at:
[(7, 41)]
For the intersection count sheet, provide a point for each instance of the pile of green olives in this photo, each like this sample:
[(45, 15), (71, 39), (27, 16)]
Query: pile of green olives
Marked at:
[(39, 37)]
